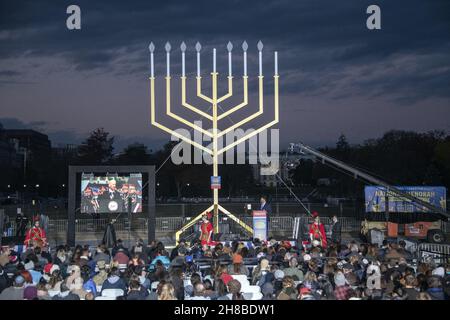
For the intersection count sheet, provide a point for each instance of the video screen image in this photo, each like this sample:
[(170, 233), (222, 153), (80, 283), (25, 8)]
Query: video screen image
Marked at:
[(111, 193)]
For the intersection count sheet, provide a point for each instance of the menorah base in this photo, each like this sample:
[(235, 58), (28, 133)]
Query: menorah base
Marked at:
[(211, 208)]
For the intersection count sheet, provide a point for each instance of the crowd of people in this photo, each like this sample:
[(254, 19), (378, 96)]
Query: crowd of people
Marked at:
[(281, 269)]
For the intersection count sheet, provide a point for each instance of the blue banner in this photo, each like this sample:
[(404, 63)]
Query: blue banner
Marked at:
[(260, 225), (216, 182), (375, 200)]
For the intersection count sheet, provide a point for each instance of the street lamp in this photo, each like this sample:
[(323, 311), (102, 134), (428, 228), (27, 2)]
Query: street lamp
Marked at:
[(37, 186), (24, 185)]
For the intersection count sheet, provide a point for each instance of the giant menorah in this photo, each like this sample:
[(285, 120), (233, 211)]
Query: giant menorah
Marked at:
[(214, 117)]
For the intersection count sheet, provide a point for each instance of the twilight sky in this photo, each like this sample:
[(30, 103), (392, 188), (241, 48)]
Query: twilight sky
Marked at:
[(336, 76)]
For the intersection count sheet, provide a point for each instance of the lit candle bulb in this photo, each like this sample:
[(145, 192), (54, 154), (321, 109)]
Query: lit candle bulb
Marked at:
[(183, 49), (245, 47), (198, 47), (260, 47), (168, 47), (151, 47), (229, 47)]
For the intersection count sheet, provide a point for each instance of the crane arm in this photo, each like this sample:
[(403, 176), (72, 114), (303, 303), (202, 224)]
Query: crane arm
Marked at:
[(368, 178)]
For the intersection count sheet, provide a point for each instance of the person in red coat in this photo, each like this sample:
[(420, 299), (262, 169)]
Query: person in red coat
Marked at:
[(206, 229), (317, 231), (35, 236)]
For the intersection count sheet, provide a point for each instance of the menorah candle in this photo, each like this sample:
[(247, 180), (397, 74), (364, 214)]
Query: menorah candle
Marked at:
[(151, 66), (260, 47), (168, 58), (229, 47), (245, 47), (214, 60), (276, 63), (182, 64), (198, 64), (198, 47), (183, 49), (151, 47), (245, 63), (260, 63)]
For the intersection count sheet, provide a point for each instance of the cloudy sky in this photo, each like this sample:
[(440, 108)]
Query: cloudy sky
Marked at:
[(336, 76)]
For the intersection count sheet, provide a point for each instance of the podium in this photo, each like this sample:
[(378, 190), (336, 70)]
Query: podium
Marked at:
[(260, 225)]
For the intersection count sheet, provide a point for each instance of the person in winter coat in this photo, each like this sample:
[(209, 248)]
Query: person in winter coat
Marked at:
[(114, 281)]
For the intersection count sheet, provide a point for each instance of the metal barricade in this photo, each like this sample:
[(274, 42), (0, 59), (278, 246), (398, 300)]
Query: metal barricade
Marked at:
[(440, 253), (169, 224)]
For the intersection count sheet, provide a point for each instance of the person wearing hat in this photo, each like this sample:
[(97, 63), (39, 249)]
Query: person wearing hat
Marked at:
[(206, 230), (305, 294), (15, 292), (30, 293), (36, 235), (238, 266), (317, 231)]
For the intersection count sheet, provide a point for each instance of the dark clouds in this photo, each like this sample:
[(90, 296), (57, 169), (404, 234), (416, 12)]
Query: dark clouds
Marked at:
[(324, 46)]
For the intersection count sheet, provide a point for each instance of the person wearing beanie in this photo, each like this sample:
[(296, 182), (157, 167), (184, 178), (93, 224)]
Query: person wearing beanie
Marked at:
[(238, 266), (30, 293), (15, 292), (305, 294)]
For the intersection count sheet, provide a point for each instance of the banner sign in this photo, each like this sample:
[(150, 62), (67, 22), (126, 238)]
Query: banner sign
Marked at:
[(260, 225), (375, 200), (216, 182)]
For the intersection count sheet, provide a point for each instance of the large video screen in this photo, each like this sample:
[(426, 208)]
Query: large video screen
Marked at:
[(111, 193)]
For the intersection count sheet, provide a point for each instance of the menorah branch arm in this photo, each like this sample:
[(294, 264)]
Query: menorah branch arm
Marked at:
[(189, 106), (268, 125), (166, 129), (239, 106), (199, 91), (177, 117), (235, 219), (250, 117), (230, 90)]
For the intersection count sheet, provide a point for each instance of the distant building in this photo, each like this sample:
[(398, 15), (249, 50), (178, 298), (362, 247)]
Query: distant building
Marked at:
[(34, 143), (10, 161), (34, 150), (65, 151)]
